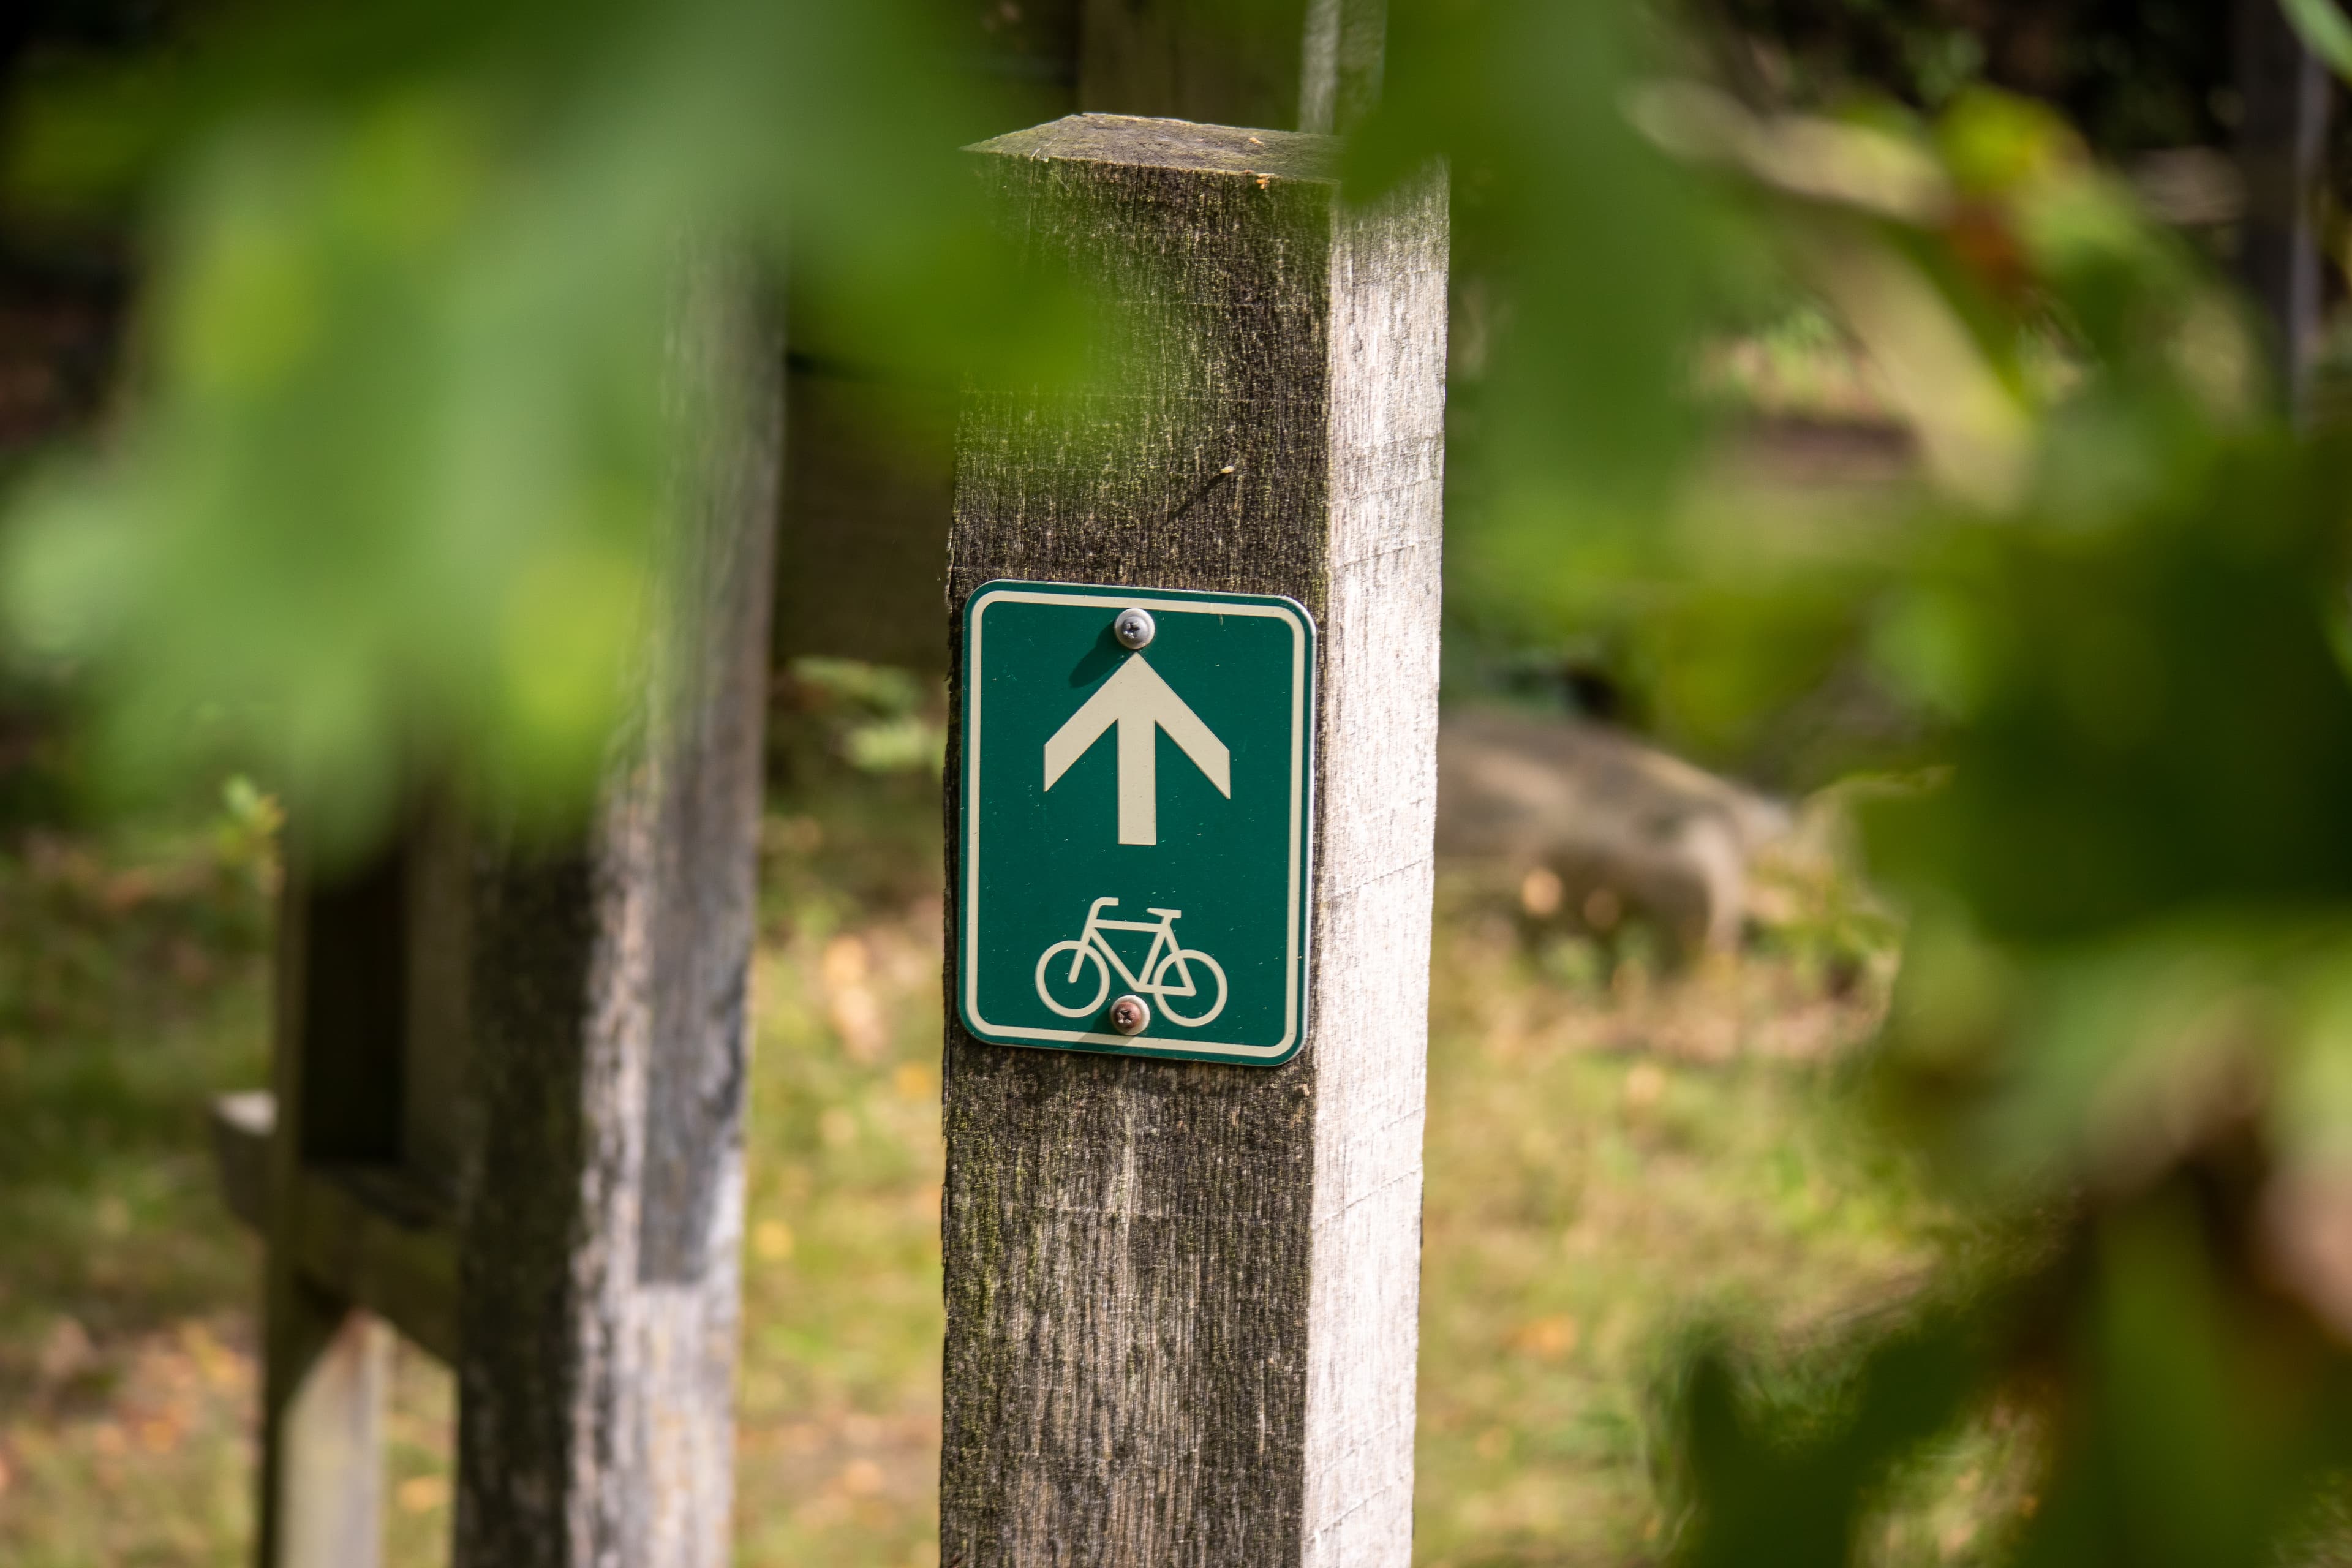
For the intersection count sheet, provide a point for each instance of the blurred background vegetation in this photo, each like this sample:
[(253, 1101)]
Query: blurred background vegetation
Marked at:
[(1853, 397)]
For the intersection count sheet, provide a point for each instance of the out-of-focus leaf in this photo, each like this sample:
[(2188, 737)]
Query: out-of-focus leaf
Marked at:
[(394, 482), (2325, 31), (2162, 720), (1575, 419), (1792, 1485)]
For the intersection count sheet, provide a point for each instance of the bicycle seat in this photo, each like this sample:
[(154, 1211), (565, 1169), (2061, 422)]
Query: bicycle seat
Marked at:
[(1171, 914)]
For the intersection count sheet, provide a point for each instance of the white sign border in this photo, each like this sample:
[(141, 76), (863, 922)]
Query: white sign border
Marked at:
[(1291, 613)]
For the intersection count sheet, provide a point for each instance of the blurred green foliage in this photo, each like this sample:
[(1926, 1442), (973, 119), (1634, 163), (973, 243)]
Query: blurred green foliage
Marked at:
[(414, 391), (407, 418), (2104, 640)]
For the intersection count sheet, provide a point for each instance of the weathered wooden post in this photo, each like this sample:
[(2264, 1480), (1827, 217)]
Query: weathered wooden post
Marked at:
[(508, 1085), (600, 1218), (1182, 1292)]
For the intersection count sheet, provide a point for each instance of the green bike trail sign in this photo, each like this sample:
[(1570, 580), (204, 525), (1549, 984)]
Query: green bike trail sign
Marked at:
[(1137, 817)]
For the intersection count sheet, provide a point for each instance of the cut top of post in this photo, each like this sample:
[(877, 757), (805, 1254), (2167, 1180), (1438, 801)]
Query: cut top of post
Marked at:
[(1134, 141)]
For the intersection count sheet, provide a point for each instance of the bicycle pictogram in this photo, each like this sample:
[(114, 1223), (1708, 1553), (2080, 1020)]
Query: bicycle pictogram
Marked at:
[(1167, 970)]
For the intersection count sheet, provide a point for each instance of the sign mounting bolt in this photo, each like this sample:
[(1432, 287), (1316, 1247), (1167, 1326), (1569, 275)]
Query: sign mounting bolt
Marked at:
[(1128, 1014), (1133, 629)]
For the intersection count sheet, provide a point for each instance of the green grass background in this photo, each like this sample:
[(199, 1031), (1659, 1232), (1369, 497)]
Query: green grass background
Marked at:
[(1614, 1157)]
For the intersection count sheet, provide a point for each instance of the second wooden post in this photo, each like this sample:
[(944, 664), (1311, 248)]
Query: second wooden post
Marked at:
[(1182, 1294)]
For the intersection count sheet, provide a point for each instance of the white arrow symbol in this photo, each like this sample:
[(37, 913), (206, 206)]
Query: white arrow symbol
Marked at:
[(1138, 702)]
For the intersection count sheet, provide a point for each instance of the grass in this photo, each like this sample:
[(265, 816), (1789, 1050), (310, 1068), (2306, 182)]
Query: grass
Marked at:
[(1609, 1169), (1613, 1158), (130, 988)]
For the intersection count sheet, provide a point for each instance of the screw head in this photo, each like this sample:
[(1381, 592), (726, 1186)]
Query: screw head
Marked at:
[(1133, 628), (1128, 1014)]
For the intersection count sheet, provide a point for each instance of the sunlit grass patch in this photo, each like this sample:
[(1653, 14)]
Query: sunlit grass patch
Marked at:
[(150, 1464), (837, 1450), (130, 989), (1616, 1153)]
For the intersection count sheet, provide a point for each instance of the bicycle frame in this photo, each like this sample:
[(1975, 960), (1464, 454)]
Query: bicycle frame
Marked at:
[(1163, 938), (1169, 969)]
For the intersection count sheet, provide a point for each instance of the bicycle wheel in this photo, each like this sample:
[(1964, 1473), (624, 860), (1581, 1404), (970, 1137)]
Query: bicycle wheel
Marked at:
[(1183, 960), (1052, 976)]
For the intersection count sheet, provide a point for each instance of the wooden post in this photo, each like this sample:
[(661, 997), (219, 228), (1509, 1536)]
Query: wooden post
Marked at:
[(1180, 1297), (601, 1208), (2285, 93), (506, 1113), (327, 1433), (339, 1015)]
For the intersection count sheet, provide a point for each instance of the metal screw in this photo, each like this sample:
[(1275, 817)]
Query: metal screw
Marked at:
[(1128, 1014), (1133, 629)]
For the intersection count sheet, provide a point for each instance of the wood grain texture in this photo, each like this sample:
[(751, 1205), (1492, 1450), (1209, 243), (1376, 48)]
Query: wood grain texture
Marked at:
[(1180, 1297), (1378, 816), (600, 1210)]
